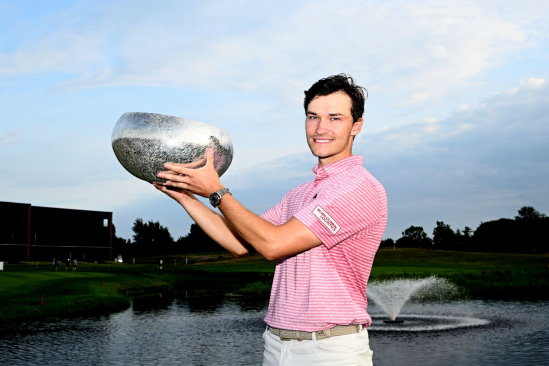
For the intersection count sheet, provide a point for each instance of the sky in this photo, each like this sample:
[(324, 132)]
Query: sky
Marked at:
[(456, 123)]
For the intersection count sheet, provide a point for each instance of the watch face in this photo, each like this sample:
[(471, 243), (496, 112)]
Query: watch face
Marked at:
[(215, 199)]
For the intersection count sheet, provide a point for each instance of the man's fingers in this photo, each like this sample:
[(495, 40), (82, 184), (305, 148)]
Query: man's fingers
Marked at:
[(200, 162), (170, 175), (187, 169), (178, 168), (210, 158), (171, 189), (170, 184)]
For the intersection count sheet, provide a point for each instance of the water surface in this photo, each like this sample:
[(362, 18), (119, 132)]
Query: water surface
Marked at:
[(208, 330)]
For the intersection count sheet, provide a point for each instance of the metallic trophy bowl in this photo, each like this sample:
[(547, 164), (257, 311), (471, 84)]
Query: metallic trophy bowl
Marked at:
[(143, 142)]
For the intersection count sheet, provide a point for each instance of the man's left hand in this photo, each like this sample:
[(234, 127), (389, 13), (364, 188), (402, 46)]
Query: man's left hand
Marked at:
[(201, 181)]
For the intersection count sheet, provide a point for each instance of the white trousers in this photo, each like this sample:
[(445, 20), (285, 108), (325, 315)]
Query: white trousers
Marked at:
[(350, 349)]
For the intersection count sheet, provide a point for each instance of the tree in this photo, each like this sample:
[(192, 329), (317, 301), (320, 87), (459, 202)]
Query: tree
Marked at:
[(414, 237), (499, 236), (197, 241), (529, 214), (443, 236), (464, 239), (151, 237), (534, 227), (387, 243), (119, 245)]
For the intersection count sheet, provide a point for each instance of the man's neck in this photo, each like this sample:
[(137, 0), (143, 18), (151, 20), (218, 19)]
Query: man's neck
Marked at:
[(331, 160)]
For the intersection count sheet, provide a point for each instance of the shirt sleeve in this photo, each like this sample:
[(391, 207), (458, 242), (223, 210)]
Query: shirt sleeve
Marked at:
[(342, 211)]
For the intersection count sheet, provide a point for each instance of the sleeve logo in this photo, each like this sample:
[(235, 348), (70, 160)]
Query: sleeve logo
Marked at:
[(326, 219)]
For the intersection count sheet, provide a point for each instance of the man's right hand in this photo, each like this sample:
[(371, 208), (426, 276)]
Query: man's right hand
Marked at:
[(178, 194), (213, 224)]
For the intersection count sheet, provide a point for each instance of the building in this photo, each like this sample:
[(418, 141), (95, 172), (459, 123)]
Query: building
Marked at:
[(36, 233)]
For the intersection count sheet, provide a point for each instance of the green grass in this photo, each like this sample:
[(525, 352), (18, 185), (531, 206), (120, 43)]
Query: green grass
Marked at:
[(479, 275), (487, 275), (504, 284), (72, 293), (419, 261), (21, 294), (255, 263), (23, 284), (258, 288)]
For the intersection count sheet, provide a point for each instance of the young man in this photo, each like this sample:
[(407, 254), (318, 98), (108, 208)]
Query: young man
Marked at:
[(323, 234)]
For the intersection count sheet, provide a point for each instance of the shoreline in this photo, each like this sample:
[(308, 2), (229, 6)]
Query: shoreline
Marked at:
[(107, 288)]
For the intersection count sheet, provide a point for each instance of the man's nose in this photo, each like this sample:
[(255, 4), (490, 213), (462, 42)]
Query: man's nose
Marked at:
[(321, 127)]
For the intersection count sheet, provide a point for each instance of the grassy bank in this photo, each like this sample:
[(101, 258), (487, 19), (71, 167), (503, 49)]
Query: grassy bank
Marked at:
[(33, 291), (109, 287), (36, 295), (479, 275)]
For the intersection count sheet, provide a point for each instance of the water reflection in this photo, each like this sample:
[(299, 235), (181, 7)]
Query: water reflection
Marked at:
[(215, 330)]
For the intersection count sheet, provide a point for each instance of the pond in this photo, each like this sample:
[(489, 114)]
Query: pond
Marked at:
[(213, 330)]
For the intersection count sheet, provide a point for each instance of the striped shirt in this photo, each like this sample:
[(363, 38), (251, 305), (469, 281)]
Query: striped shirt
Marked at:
[(346, 208)]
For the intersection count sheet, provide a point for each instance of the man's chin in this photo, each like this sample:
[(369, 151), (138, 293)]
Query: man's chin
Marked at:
[(321, 155)]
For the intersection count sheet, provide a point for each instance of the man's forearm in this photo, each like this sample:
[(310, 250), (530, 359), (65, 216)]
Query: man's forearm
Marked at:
[(215, 226), (251, 227), (269, 240)]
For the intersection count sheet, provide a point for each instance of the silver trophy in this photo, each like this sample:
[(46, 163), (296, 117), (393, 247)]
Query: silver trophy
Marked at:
[(143, 142)]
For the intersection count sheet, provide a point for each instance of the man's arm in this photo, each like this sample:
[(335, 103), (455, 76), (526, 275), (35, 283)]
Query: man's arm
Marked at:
[(214, 225), (269, 240)]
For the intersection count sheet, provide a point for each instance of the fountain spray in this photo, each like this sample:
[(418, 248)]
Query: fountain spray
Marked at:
[(391, 295)]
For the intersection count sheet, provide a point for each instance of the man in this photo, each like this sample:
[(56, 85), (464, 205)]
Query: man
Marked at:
[(323, 234)]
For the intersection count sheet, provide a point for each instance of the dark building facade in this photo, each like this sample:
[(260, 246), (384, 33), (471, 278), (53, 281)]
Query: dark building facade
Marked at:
[(42, 233)]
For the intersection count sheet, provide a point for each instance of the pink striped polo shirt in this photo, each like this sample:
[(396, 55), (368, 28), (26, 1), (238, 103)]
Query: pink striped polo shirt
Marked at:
[(346, 208)]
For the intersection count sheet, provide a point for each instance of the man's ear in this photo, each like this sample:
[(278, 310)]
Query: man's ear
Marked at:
[(357, 126)]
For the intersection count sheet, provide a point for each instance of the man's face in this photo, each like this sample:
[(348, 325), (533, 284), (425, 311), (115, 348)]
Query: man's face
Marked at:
[(329, 127)]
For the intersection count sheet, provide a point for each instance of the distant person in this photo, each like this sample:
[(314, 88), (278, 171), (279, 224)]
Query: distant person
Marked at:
[(74, 264), (160, 264), (67, 264), (323, 234), (55, 264)]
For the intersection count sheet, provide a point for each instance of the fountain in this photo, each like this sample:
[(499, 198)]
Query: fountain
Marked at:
[(391, 296)]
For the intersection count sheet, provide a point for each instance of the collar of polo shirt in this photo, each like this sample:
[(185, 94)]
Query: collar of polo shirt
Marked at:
[(327, 170)]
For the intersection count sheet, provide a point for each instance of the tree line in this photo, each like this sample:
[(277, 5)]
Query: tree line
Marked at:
[(151, 238), (528, 232)]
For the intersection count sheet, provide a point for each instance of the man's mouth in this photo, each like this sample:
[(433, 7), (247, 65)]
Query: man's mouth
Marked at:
[(322, 141)]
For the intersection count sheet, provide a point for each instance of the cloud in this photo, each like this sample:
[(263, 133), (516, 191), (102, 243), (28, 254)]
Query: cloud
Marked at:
[(11, 137), (412, 52), (532, 83), (251, 60), (481, 163)]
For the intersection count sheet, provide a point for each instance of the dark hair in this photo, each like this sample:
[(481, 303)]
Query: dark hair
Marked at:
[(339, 83)]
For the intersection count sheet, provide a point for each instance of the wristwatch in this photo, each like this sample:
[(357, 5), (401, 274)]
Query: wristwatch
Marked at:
[(215, 198)]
